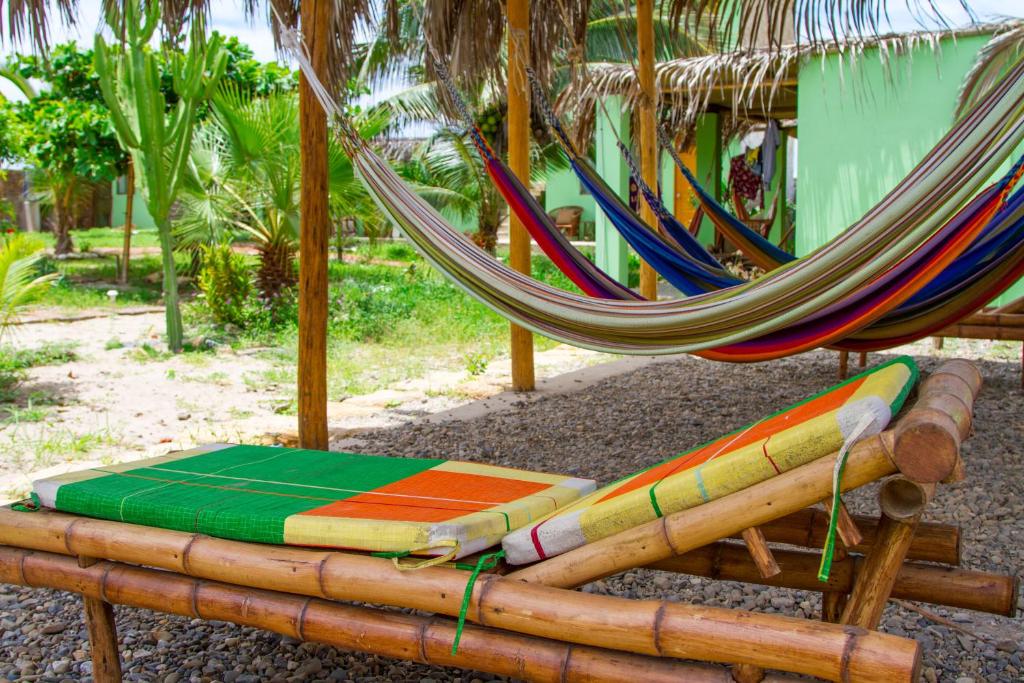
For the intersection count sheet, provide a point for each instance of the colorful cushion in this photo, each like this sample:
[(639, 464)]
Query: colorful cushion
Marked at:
[(316, 498), (807, 431)]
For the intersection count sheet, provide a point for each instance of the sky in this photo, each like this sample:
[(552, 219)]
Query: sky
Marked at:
[(229, 19)]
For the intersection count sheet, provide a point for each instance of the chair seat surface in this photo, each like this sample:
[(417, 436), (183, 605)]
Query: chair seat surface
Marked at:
[(806, 431), (315, 498)]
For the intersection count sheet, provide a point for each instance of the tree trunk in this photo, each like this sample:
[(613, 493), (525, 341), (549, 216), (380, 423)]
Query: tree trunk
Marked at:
[(129, 206), (171, 306), (61, 228), (277, 270)]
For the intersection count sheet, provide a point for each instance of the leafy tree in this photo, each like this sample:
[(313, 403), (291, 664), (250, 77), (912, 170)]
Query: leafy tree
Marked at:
[(157, 134), (62, 131)]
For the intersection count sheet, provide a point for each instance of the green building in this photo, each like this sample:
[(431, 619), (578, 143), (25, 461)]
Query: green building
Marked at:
[(860, 122)]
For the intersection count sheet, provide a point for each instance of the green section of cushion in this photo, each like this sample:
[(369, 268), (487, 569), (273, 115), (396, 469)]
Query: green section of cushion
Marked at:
[(242, 492)]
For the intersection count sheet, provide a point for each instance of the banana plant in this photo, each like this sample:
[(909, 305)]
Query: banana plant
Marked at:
[(155, 132)]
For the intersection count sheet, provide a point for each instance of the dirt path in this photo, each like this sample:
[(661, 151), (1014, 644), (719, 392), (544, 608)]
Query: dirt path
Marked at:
[(125, 398)]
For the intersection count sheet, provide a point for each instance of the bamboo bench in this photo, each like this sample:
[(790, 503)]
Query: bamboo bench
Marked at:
[(530, 623)]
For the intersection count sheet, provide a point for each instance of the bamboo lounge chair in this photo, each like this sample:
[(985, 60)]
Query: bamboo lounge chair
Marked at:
[(528, 622)]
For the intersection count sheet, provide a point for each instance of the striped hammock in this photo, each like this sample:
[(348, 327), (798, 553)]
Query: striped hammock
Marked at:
[(816, 300)]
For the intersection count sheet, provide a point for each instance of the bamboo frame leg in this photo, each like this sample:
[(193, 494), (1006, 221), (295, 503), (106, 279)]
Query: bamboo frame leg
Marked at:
[(832, 606), (862, 359), (938, 343), (102, 628), (902, 502), (520, 338), (876, 580), (99, 620), (844, 364)]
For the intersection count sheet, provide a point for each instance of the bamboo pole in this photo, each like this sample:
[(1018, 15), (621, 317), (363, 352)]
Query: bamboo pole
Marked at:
[(415, 638), (314, 234), (874, 585), (521, 340), (102, 629), (808, 528), (995, 332), (934, 432), (952, 587), (648, 131), (1015, 306), (646, 627), (844, 365), (927, 439)]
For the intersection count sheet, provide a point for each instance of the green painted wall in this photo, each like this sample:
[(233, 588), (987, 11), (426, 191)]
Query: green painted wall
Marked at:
[(118, 200), (860, 133), (562, 188)]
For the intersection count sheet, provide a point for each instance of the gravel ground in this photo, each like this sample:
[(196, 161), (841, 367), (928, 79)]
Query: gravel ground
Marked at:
[(604, 431)]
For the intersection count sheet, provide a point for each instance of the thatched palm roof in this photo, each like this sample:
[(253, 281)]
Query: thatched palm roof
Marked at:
[(762, 83), (471, 31)]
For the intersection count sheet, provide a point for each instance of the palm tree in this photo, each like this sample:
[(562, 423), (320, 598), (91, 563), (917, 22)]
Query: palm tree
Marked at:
[(243, 179)]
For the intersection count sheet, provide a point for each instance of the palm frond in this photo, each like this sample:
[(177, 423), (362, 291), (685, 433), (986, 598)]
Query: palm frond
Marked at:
[(1000, 54), (20, 282)]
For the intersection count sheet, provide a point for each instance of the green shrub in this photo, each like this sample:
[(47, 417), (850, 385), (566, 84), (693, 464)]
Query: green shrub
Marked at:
[(226, 284)]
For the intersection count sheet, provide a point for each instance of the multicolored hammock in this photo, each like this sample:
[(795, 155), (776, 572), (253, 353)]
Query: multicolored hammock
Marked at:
[(770, 317)]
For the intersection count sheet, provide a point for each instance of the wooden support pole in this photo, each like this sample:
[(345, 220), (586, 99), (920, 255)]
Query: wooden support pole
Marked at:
[(521, 339), (314, 235), (902, 502), (844, 365), (648, 130), (102, 629), (878, 575), (862, 359), (917, 581)]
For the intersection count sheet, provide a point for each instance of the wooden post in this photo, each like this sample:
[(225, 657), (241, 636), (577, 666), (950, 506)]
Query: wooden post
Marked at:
[(313, 236), (129, 207), (519, 162), (844, 364), (99, 622), (648, 131)]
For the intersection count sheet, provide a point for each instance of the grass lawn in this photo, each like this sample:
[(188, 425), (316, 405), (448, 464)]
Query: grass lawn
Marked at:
[(390, 323), (84, 240)]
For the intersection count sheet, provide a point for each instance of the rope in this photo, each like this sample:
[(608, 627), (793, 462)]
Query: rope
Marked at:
[(486, 562), (856, 435)]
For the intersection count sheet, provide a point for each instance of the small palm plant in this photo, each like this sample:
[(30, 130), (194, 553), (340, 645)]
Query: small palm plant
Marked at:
[(157, 133), (243, 178), (20, 281)]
